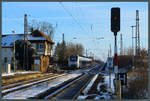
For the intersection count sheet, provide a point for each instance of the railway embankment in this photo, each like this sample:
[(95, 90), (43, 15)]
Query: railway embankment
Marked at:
[(19, 76), (99, 88), (137, 81)]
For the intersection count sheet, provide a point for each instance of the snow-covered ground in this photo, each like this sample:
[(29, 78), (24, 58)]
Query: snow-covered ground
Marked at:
[(36, 89), (103, 95), (24, 72), (26, 85), (86, 90), (109, 91), (90, 85), (112, 81)]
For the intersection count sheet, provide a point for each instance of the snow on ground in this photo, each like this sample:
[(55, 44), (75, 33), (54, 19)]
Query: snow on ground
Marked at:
[(24, 72), (85, 91), (112, 81), (36, 89), (104, 96), (99, 85), (90, 85), (81, 97), (110, 90), (26, 85)]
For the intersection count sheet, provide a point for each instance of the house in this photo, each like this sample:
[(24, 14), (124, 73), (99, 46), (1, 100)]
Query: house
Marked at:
[(38, 39)]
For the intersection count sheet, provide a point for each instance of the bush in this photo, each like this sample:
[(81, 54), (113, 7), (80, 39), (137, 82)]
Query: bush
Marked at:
[(138, 88)]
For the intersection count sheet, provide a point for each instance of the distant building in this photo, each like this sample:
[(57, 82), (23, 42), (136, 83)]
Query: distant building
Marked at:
[(38, 39)]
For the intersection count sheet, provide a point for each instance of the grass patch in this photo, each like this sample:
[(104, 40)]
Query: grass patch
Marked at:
[(18, 77)]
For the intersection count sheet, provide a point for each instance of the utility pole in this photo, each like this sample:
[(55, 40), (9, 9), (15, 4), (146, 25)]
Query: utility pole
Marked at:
[(108, 53), (90, 54), (110, 67), (121, 45), (63, 39), (93, 56), (133, 47), (137, 42), (25, 61), (14, 53), (132, 39), (86, 52), (110, 50)]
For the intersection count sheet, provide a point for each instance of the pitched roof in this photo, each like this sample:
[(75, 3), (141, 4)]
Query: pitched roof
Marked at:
[(9, 39), (41, 33)]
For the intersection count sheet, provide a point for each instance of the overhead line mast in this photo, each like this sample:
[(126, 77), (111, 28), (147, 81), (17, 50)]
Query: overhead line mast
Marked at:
[(137, 40), (25, 59), (121, 45)]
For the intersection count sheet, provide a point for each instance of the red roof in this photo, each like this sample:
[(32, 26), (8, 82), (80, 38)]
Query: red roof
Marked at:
[(37, 32)]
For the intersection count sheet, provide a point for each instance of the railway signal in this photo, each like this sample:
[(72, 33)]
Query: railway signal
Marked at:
[(115, 20), (115, 27)]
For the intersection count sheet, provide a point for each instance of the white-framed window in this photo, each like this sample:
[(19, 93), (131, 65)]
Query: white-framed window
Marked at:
[(41, 46)]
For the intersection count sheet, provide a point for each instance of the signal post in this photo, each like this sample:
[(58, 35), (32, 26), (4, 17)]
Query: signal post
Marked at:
[(115, 27)]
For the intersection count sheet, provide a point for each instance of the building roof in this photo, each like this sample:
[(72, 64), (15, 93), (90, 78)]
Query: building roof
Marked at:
[(38, 33), (9, 39)]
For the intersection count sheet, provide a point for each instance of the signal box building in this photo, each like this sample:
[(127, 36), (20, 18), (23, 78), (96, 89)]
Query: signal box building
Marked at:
[(41, 42)]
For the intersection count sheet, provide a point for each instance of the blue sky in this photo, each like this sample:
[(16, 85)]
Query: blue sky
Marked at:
[(87, 14)]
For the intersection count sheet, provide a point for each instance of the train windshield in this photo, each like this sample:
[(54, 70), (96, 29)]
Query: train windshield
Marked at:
[(73, 58)]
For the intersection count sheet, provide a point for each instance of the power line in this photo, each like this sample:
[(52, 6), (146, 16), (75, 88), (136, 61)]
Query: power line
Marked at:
[(85, 18), (71, 16)]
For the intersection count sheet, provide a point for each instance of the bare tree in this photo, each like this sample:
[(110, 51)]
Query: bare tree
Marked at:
[(63, 51), (128, 51), (44, 27), (143, 52), (75, 49)]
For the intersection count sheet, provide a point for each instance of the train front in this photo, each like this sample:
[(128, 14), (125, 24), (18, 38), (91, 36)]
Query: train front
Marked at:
[(73, 61)]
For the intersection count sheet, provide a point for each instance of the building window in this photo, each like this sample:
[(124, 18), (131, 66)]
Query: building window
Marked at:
[(37, 46), (41, 46), (5, 59)]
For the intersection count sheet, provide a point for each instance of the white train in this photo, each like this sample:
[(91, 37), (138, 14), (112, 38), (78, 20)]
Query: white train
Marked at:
[(77, 61)]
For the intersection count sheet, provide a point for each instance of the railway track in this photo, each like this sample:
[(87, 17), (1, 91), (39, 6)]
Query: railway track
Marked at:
[(75, 84), (72, 90), (29, 83), (69, 90), (57, 89)]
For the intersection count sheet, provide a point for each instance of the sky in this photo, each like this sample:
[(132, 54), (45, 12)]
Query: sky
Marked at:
[(85, 21)]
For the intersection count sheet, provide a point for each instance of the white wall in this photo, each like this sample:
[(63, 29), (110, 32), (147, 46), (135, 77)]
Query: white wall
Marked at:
[(46, 51), (6, 52), (38, 52)]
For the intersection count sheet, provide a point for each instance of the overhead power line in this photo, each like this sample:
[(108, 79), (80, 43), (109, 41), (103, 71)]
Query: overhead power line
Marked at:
[(71, 16)]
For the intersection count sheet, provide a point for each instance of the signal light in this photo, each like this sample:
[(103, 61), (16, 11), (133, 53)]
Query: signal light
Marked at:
[(115, 20)]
